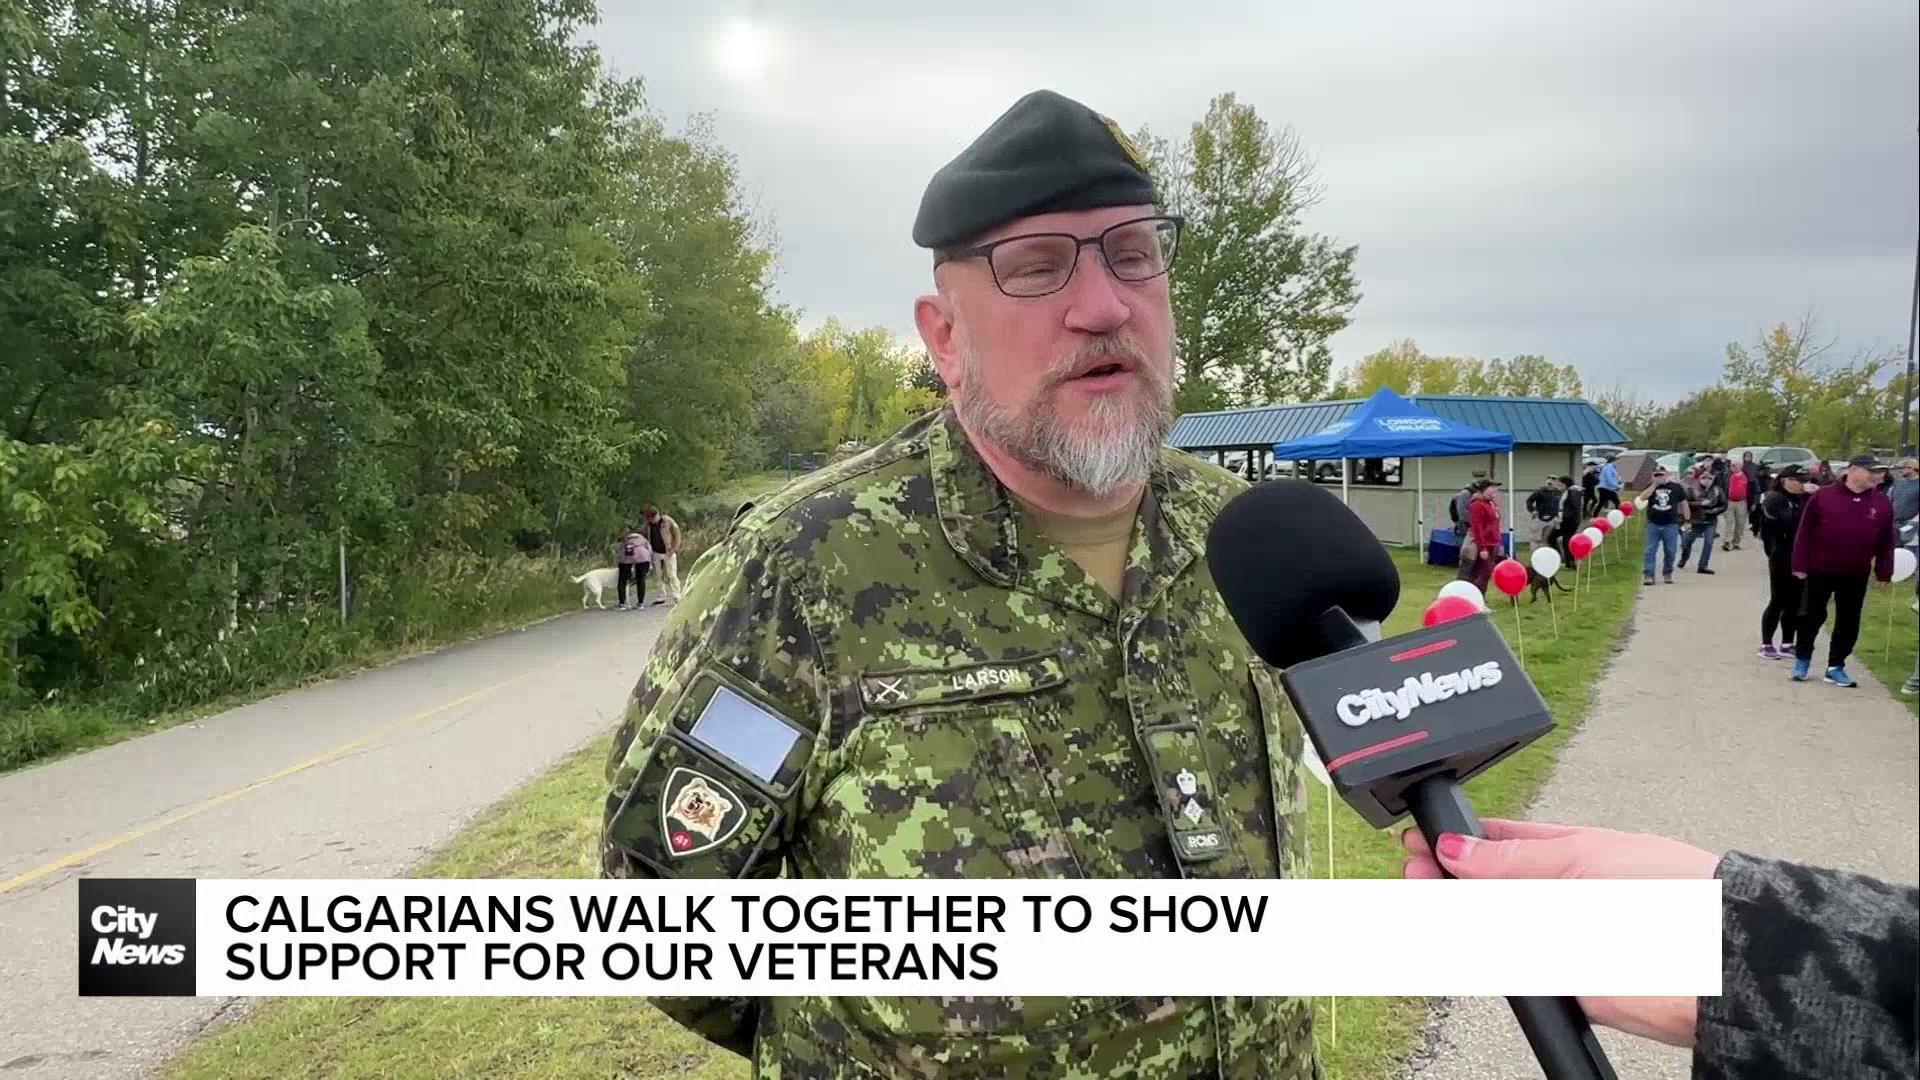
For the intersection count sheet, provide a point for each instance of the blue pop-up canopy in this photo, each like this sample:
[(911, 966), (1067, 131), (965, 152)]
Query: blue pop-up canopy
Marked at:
[(1388, 425)]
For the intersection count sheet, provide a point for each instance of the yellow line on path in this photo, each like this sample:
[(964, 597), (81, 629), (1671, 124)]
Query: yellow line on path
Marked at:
[(202, 807)]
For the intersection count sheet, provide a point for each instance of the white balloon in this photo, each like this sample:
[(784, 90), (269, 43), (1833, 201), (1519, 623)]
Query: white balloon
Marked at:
[(1546, 561), (1466, 589), (1904, 564), (1615, 517), (1594, 535), (1312, 761)]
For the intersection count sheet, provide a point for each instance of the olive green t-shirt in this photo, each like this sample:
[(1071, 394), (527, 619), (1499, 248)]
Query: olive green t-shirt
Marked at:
[(1099, 544)]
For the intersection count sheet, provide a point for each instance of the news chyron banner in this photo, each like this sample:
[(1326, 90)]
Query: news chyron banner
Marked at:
[(269, 938)]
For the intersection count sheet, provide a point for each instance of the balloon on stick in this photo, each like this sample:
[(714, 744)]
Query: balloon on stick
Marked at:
[(1616, 518), (1546, 563), (1448, 608), (1904, 563), (1580, 546), (1466, 590), (1511, 578)]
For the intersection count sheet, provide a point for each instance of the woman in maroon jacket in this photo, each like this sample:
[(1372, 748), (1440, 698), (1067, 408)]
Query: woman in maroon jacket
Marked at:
[(1483, 525)]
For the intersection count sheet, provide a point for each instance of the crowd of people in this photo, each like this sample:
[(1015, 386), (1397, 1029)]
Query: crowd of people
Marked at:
[(1824, 535)]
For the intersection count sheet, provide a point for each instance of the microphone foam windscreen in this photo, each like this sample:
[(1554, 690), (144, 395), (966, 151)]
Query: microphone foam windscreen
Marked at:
[(1285, 551)]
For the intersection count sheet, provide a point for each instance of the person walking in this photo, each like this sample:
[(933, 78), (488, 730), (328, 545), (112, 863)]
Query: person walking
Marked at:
[(1481, 547), (634, 556), (1706, 501), (663, 535), (1457, 508), (1759, 485), (1845, 535), (1607, 488), (1738, 490), (1905, 496), (1780, 520), (1543, 512), (1665, 507), (1589, 489), (1571, 520)]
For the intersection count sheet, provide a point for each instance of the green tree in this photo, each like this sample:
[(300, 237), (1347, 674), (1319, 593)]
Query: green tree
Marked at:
[(1774, 380), (1407, 370), (1255, 295), (1628, 411)]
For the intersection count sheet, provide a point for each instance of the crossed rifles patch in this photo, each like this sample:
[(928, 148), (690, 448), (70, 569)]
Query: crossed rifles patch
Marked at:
[(698, 812)]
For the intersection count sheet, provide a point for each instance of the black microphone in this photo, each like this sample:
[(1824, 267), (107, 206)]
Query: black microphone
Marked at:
[(1401, 723)]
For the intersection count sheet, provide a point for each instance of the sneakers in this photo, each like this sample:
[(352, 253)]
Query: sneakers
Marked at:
[(622, 607), (1800, 670), (1647, 580), (1704, 570), (1838, 676), (1669, 579), (1769, 652)]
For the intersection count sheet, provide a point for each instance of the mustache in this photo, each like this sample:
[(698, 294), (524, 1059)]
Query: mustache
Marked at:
[(1105, 347)]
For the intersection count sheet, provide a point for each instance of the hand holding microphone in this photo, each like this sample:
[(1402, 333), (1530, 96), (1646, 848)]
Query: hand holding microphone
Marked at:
[(1524, 849), (1401, 723)]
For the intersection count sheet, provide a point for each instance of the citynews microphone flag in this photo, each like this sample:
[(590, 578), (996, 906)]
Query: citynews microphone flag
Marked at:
[(1304, 937)]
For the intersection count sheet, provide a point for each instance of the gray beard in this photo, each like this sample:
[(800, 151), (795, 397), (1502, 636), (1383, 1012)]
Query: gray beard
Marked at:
[(1114, 448)]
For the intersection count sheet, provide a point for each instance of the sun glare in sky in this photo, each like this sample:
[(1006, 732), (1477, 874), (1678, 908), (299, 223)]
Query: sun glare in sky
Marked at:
[(744, 47)]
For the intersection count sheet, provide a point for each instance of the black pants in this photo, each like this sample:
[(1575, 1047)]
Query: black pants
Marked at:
[(636, 573), (1848, 593), (1783, 604), (1605, 499), (1562, 533)]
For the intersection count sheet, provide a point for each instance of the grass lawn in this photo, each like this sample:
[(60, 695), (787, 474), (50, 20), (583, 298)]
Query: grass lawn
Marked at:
[(548, 830), (1888, 645)]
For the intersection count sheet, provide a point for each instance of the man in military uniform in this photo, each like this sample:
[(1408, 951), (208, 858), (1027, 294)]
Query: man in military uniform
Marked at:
[(987, 648)]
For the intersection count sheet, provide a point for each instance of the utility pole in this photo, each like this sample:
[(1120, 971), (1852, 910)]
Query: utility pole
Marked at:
[(1913, 384)]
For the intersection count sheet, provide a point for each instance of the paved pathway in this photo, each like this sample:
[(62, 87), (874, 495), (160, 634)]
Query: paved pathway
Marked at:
[(1695, 737), (356, 778)]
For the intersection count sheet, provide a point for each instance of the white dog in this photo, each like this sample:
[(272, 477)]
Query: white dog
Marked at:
[(595, 583)]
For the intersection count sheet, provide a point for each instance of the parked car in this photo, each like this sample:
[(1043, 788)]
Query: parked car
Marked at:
[(1789, 455)]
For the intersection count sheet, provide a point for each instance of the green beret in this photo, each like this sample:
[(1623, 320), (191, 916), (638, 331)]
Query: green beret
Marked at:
[(1044, 154)]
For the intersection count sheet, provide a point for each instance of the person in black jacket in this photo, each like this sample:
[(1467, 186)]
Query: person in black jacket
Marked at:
[(1817, 965), (1706, 501), (1780, 522), (1570, 519), (1543, 512)]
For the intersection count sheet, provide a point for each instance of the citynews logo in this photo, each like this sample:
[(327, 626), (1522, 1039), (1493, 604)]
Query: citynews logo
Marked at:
[(136, 937), (1425, 689)]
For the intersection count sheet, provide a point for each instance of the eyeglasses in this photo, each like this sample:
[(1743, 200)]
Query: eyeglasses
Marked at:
[(1037, 264)]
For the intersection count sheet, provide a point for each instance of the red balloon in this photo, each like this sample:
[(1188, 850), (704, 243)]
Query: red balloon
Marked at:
[(1447, 609), (1581, 545), (1510, 577), (1626, 509), (1603, 525)]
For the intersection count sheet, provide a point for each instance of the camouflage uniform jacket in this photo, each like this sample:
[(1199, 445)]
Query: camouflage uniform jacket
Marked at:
[(963, 701)]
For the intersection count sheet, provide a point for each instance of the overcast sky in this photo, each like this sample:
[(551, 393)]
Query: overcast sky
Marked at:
[(1625, 186)]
